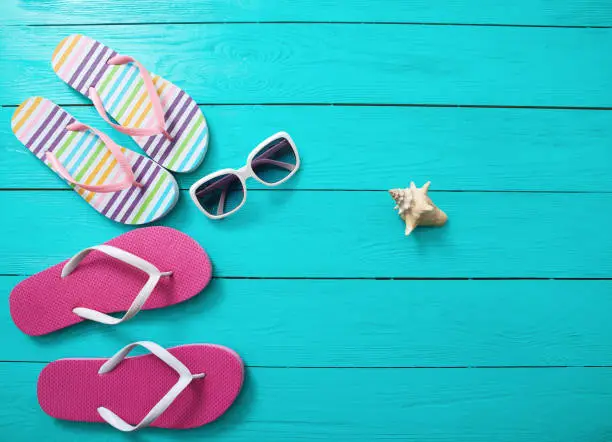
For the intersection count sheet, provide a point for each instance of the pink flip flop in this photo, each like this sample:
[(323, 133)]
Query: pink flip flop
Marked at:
[(144, 390), (147, 268)]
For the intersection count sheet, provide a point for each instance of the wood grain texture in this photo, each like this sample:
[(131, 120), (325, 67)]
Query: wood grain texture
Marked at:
[(333, 63), (341, 234), (365, 148), (336, 359), (441, 405), (307, 323), (522, 12)]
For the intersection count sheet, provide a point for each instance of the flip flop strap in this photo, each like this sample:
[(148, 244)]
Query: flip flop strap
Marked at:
[(128, 181), (128, 258), (185, 378), (159, 126)]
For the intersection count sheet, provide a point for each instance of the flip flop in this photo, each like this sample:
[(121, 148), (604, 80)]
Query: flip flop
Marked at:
[(143, 269), (119, 183), (162, 118), (144, 390)]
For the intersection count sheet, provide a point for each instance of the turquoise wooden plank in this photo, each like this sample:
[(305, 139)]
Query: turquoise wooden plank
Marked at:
[(331, 63), (450, 405), (342, 234), (522, 12), (310, 323), (456, 148)]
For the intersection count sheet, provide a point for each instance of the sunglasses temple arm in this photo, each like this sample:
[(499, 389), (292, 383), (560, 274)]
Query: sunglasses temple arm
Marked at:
[(221, 205), (273, 149), (280, 164), (222, 182)]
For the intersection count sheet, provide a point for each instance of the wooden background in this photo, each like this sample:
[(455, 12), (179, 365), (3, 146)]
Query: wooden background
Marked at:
[(494, 328)]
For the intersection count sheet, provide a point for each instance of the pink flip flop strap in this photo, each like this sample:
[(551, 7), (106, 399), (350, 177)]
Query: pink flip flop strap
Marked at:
[(160, 125), (128, 181)]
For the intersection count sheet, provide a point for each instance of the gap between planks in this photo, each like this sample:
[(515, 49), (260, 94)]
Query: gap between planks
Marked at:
[(314, 22), (382, 278), (365, 367), (424, 105), (604, 192)]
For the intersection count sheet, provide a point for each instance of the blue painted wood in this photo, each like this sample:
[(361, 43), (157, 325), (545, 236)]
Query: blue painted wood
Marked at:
[(441, 405), (522, 12), (348, 323), (341, 234), (334, 63), (561, 233), (455, 148)]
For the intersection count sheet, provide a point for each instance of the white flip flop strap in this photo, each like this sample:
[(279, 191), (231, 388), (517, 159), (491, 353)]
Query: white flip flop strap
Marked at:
[(128, 258), (185, 378)]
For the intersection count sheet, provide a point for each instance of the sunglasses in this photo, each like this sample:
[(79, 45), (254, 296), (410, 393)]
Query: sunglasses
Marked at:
[(222, 193)]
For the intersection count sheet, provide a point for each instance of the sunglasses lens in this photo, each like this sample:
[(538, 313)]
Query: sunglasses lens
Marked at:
[(275, 161), (220, 195)]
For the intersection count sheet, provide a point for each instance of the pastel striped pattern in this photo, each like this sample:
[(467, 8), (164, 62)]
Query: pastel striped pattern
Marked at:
[(41, 126), (81, 62)]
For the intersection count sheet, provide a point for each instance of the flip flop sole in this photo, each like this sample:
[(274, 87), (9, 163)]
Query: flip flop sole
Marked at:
[(72, 389), (43, 303), (40, 125), (82, 63)]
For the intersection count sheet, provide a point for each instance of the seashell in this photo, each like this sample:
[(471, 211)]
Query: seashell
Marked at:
[(416, 208)]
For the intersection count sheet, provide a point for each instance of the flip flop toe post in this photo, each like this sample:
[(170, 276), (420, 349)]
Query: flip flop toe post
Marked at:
[(146, 268)]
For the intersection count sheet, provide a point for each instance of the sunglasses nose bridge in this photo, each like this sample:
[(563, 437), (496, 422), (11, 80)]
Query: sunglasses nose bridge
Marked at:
[(244, 172)]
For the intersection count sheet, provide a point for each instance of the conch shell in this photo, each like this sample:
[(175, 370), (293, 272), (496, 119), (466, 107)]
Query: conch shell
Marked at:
[(416, 208)]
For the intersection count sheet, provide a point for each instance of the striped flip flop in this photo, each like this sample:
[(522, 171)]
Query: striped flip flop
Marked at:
[(119, 183), (162, 118)]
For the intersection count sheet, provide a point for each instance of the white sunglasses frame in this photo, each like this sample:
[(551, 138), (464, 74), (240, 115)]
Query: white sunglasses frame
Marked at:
[(244, 173)]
